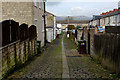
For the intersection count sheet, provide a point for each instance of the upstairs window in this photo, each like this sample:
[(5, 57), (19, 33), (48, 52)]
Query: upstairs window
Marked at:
[(35, 2), (35, 22)]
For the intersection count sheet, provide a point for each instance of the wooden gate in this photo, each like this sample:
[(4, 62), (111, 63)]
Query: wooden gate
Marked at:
[(24, 34), (14, 31), (10, 31), (5, 32), (32, 32)]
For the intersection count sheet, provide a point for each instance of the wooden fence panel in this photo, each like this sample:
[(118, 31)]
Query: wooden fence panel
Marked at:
[(107, 49)]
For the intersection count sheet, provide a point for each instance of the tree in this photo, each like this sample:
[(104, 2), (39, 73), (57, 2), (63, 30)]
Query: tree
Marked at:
[(70, 27)]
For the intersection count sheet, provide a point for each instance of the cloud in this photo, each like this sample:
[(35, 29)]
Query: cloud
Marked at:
[(79, 11), (76, 9)]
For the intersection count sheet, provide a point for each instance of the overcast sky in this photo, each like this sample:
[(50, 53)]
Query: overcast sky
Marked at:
[(80, 7)]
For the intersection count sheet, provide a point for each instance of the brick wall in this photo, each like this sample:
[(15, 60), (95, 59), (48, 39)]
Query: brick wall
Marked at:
[(79, 34), (85, 37), (25, 12), (92, 33), (21, 12), (38, 20), (104, 47), (49, 20)]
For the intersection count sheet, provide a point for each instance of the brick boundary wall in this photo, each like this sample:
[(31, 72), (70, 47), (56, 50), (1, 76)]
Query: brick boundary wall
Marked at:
[(21, 45), (85, 37), (104, 48), (92, 33), (17, 54)]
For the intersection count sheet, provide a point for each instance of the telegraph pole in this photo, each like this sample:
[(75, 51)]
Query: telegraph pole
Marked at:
[(68, 20)]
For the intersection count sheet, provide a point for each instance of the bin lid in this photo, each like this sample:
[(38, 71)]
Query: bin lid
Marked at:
[(81, 41), (38, 41)]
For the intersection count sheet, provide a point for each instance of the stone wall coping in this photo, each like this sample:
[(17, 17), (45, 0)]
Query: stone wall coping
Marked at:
[(9, 45)]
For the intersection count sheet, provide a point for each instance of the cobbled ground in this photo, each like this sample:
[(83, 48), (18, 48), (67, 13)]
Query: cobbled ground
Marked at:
[(48, 65)]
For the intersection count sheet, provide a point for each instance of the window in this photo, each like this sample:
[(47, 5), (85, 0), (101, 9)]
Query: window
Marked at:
[(114, 19), (35, 2), (35, 22), (118, 20)]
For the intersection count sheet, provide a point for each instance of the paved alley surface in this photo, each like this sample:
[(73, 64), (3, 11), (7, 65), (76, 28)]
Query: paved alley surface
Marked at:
[(82, 66), (47, 65), (50, 64)]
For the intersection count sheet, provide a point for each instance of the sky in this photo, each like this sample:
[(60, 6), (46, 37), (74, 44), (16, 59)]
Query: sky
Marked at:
[(80, 7)]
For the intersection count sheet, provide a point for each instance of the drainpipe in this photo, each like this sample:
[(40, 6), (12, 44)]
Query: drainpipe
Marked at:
[(44, 25)]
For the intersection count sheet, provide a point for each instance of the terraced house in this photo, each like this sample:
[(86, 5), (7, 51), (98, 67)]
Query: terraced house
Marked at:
[(29, 12), (50, 26), (111, 18)]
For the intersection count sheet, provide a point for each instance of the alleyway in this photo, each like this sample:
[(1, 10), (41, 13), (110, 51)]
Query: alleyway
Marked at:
[(61, 60)]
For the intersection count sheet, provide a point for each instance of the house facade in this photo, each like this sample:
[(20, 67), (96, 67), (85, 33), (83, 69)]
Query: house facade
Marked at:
[(26, 12), (111, 18), (107, 21), (96, 20), (50, 26)]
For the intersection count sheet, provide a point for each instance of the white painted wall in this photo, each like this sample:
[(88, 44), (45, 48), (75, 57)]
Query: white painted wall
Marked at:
[(107, 21), (49, 35), (58, 31), (112, 20), (91, 23), (59, 25), (102, 22), (118, 20)]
